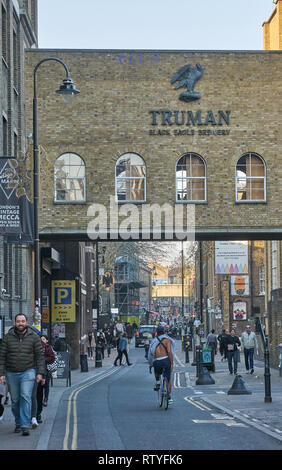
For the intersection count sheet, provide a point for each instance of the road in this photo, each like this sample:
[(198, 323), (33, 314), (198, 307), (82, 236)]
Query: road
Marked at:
[(118, 410)]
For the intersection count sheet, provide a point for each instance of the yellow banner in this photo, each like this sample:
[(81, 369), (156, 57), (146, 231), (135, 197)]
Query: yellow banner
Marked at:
[(63, 301)]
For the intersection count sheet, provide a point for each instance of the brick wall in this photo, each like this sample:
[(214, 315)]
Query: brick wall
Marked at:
[(111, 116)]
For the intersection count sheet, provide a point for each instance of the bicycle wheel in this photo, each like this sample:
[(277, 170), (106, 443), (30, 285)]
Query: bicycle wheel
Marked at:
[(160, 392), (165, 393)]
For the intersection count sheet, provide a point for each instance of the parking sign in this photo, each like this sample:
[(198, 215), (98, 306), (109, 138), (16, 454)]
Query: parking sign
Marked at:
[(63, 301)]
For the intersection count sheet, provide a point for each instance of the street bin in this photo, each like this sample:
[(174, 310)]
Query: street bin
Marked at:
[(83, 363), (280, 359)]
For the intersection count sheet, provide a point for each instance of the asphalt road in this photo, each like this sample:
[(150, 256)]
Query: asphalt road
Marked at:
[(118, 410)]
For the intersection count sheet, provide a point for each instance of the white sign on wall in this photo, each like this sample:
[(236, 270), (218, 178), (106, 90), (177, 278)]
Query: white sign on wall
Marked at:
[(231, 257)]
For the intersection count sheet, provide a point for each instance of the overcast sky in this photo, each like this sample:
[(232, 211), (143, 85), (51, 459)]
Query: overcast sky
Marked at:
[(153, 24)]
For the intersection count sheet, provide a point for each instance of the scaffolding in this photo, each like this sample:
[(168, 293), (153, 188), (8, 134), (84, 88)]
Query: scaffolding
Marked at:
[(127, 285)]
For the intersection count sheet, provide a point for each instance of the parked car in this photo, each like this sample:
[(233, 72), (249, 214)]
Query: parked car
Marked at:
[(144, 334)]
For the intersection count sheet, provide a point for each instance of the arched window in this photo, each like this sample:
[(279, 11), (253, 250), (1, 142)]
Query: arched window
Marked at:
[(191, 178), (130, 178), (250, 178), (70, 185)]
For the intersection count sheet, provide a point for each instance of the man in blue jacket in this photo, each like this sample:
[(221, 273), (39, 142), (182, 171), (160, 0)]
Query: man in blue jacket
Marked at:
[(122, 349)]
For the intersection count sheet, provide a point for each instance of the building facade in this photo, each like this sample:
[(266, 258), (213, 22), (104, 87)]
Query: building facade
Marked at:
[(272, 29), (129, 128), (18, 19)]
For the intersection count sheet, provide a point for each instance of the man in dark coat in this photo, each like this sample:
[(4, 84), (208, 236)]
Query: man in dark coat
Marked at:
[(22, 362)]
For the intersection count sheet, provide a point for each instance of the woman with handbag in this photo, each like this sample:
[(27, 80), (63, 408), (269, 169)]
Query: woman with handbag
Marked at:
[(49, 357)]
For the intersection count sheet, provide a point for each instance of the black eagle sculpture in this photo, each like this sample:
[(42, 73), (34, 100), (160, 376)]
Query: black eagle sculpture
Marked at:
[(187, 76)]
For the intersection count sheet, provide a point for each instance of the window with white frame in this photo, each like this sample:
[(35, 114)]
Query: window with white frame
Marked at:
[(191, 178), (70, 182), (250, 178), (274, 264), (130, 178), (261, 280)]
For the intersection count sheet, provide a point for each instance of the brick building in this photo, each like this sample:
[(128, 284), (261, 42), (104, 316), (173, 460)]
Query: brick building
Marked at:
[(128, 117), (18, 19)]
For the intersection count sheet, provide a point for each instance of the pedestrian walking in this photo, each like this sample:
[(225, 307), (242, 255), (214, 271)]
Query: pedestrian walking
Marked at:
[(22, 362), (249, 343), (222, 344), (108, 339), (122, 350), (232, 343), (91, 344), (101, 341), (212, 344), (129, 331), (212, 341), (49, 357)]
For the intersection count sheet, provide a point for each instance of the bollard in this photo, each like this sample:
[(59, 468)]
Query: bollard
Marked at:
[(204, 377), (83, 363), (239, 387), (98, 357), (187, 352)]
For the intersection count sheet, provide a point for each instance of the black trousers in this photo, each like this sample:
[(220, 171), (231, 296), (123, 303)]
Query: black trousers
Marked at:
[(119, 357)]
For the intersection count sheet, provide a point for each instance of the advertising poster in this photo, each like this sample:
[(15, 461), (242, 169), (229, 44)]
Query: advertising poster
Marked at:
[(231, 257), (240, 285), (63, 301), (16, 209), (239, 311)]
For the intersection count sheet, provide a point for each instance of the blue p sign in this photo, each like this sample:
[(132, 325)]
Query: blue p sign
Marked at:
[(62, 295)]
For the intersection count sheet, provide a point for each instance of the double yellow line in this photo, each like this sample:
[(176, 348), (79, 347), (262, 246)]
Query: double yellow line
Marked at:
[(197, 404), (72, 411)]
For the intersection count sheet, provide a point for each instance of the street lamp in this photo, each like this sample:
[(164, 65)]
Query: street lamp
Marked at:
[(67, 90)]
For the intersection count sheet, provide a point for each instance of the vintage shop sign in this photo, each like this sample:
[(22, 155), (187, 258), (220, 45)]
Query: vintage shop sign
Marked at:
[(16, 209), (189, 122)]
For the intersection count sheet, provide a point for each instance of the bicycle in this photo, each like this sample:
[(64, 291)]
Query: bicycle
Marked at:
[(163, 391)]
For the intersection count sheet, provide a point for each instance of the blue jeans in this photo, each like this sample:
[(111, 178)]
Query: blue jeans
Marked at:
[(249, 358), (20, 388)]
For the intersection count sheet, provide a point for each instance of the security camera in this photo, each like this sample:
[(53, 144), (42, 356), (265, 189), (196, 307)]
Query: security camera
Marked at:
[(4, 291), (29, 137)]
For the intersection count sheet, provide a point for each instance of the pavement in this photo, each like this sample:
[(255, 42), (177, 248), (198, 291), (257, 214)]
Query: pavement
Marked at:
[(260, 409), (248, 408), (39, 437)]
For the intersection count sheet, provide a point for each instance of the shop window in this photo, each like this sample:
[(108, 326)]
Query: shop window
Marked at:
[(250, 178), (70, 183), (130, 178), (191, 178)]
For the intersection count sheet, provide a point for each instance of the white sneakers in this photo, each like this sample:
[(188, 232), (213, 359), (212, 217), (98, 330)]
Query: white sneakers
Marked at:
[(34, 423)]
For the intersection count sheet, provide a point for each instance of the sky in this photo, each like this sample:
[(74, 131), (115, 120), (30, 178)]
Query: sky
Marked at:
[(153, 24)]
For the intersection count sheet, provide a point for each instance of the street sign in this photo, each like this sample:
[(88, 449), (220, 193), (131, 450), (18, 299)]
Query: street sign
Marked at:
[(63, 301)]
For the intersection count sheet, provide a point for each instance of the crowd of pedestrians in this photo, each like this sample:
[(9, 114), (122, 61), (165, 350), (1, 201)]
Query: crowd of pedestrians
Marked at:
[(25, 355), (230, 345), (116, 335)]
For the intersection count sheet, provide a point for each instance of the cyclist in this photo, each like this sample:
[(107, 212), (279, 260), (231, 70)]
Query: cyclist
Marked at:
[(160, 357)]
